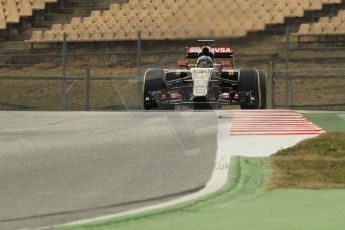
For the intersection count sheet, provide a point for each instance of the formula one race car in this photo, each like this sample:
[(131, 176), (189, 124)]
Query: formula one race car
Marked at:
[(205, 84)]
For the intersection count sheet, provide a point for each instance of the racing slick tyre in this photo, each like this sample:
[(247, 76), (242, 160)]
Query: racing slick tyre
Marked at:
[(250, 81), (153, 80), (262, 76)]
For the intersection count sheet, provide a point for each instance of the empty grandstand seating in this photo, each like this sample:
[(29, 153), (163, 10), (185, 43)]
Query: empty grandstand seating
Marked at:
[(326, 26), (12, 10), (178, 19)]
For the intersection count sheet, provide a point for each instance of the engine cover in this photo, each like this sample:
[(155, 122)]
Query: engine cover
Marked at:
[(201, 78)]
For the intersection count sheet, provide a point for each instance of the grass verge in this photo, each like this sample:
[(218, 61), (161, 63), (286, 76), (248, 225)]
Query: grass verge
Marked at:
[(331, 122), (315, 163)]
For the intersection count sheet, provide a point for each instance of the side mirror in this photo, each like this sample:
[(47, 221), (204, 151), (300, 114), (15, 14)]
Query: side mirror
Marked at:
[(183, 63)]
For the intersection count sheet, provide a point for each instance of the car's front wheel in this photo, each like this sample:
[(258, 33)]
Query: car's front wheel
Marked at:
[(262, 76), (253, 81), (153, 81)]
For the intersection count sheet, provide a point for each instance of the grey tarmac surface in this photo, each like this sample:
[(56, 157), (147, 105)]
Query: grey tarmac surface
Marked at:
[(61, 167)]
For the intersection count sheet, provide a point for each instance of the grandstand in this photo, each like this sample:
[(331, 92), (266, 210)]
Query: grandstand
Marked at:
[(12, 11), (171, 19), (159, 20), (18, 18), (45, 21), (328, 26)]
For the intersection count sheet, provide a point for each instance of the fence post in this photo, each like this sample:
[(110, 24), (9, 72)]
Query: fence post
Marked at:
[(138, 78), (272, 85), (63, 72), (87, 90), (287, 49), (291, 90)]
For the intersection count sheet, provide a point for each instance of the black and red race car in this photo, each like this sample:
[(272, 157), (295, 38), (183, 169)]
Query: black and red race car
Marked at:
[(212, 81)]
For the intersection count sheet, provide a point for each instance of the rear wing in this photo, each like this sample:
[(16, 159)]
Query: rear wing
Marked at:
[(219, 52)]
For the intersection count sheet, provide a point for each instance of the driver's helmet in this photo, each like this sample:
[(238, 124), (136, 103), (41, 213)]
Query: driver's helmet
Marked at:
[(205, 62)]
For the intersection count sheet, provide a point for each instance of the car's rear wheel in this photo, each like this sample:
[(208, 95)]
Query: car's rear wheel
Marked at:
[(153, 81), (254, 81)]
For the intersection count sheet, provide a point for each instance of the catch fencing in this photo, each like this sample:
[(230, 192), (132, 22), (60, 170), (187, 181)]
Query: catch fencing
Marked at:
[(307, 89)]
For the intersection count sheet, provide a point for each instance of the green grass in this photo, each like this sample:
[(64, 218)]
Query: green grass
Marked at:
[(244, 203), (316, 163), (331, 122), (325, 145)]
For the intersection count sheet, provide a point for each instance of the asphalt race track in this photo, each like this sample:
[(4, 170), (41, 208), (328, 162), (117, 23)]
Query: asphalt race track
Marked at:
[(61, 167)]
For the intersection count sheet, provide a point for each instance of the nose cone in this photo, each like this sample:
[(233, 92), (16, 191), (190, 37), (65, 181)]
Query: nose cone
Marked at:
[(201, 78)]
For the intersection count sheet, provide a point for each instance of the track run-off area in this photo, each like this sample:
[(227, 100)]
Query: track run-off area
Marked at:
[(75, 168)]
